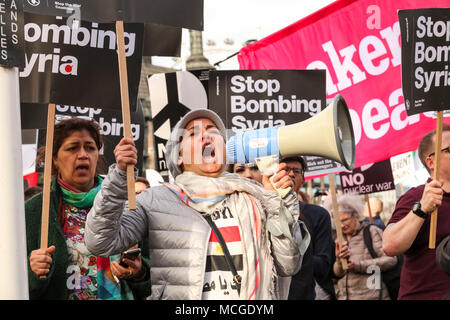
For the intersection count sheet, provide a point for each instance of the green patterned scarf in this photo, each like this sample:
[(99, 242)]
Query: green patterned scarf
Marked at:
[(80, 199)]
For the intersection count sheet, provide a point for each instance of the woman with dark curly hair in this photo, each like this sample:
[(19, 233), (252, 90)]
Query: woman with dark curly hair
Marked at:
[(66, 269)]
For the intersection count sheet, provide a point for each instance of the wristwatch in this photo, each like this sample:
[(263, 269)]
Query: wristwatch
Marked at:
[(418, 211)]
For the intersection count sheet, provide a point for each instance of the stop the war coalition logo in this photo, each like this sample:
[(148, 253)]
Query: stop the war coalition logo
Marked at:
[(76, 63), (11, 33), (172, 95)]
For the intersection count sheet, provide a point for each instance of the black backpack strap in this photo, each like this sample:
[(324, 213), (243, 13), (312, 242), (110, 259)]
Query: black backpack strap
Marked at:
[(236, 277), (368, 241)]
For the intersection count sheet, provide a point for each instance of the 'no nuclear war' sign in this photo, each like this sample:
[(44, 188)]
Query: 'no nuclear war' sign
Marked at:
[(376, 177)]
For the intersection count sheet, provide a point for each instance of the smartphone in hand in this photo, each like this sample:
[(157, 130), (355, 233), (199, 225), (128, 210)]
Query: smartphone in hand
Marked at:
[(129, 254)]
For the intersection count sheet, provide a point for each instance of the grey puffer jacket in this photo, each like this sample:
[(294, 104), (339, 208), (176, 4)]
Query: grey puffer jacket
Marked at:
[(178, 237)]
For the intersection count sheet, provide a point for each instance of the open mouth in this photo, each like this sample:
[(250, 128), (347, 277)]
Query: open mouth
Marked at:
[(209, 153), (82, 169)]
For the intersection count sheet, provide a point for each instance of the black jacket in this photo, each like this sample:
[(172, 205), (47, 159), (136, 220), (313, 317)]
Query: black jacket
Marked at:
[(321, 250)]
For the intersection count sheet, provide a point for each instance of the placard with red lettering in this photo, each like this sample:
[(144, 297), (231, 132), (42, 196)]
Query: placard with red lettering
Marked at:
[(76, 63)]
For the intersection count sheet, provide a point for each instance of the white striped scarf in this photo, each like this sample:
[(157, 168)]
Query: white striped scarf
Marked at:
[(206, 195)]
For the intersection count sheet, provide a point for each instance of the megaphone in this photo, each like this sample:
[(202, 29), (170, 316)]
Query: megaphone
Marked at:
[(329, 134)]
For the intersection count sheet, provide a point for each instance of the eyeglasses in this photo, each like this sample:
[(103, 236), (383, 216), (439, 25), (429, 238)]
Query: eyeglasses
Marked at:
[(346, 220), (295, 170), (446, 150)]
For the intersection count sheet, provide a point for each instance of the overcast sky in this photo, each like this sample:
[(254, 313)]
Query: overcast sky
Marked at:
[(242, 20), (250, 19)]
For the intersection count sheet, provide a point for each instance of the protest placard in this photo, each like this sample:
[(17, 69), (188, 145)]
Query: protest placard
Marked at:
[(172, 95), (77, 66), (34, 116), (425, 35), (178, 13), (376, 177), (11, 33)]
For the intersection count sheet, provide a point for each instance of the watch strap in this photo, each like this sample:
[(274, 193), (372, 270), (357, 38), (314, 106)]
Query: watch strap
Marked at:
[(418, 211)]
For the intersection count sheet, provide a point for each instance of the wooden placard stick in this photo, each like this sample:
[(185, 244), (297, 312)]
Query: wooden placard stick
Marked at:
[(437, 160), (337, 221), (125, 108), (368, 207), (47, 176)]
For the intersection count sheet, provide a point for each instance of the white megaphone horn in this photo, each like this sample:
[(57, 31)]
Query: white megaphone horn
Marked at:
[(329, 134)]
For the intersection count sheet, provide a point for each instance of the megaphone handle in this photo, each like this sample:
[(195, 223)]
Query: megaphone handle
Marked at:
[(271, 163), (282, 192)]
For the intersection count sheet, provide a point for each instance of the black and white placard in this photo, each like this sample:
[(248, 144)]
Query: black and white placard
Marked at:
[(34, 116), (178, 13), (425, 38), (12, 46), (76, 64)]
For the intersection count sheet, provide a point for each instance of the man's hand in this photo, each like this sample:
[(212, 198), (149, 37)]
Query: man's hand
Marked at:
[(432, 196)]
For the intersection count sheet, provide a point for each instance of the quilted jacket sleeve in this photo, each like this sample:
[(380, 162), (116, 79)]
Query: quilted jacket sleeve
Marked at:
[(110, 226), (288, 245)]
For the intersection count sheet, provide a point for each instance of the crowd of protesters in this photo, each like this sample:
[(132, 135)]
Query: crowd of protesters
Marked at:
[(218, 231)]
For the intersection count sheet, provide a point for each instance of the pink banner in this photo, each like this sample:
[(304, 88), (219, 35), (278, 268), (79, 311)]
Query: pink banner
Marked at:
[(358, 43)]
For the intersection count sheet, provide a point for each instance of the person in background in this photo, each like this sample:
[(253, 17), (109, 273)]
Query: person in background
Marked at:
[(251, 171), (141, 184), (303, 197), (67, 269), (184, 220), (376, 207), (248, 170), (314, 280), (353, 283), (408, 230), (31, 191)]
